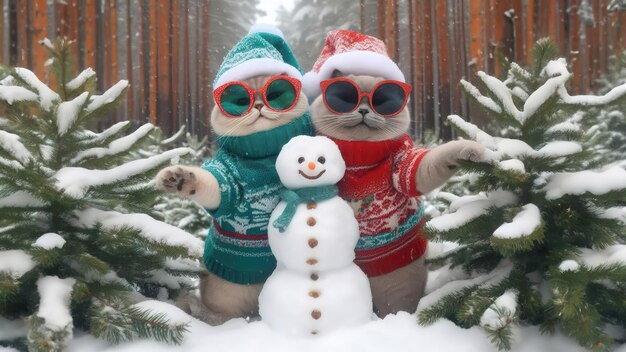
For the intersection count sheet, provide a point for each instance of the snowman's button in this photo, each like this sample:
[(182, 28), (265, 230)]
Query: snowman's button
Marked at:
[(311, 205), (313, 242), (316, 314), (314, 293), (313, 332), (311, 221), (311, 261), (314, 277)]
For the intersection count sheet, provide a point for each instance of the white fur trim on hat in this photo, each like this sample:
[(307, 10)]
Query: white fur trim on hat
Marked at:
[(359, 62), (266, 28), (257, 67)]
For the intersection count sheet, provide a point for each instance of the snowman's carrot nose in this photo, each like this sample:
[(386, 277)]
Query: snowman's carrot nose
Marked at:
[(311, 165)]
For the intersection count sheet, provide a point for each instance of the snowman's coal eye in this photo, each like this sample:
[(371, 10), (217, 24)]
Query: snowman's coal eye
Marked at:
[(321, 160), (300, 160)]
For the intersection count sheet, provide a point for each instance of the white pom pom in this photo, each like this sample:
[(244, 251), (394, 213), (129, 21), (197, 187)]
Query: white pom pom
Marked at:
[(266, 28), (311, 85)]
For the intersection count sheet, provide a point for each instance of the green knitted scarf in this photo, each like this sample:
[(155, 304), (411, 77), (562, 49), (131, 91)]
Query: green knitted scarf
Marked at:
[(302, 195)]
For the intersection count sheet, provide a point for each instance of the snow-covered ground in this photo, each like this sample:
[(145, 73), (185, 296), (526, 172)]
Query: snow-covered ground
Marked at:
[(396, 333)]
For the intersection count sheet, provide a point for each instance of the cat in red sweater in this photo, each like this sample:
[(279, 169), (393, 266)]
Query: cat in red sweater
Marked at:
[(359, 101)]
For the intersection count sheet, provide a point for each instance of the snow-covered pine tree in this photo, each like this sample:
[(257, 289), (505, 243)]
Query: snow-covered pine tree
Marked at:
[(183, 213), (607, 125), (543, 243), (77, 248)]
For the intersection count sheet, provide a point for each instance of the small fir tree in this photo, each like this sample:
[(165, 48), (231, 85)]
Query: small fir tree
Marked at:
[(78, 247), (543, 243)]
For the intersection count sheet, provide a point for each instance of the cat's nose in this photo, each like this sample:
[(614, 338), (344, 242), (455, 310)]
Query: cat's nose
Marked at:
[(363, 112), (258, 106)]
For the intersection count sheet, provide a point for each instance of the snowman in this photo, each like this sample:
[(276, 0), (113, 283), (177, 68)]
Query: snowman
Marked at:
[(316, 287)]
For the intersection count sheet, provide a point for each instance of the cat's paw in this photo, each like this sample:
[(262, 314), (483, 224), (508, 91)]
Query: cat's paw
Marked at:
[(463, 150), (177, 179)]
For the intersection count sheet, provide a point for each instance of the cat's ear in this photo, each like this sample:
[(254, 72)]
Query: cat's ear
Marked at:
[(336, 73)]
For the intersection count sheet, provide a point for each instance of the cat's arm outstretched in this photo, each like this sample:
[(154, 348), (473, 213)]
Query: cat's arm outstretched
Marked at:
[(440, 163), (190, 182)]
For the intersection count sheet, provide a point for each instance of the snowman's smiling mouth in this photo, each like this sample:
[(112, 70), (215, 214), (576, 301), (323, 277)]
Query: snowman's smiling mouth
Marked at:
[(311, 177)]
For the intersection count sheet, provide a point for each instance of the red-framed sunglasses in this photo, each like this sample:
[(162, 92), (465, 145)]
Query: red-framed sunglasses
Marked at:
[(236, 99), (342, 96)]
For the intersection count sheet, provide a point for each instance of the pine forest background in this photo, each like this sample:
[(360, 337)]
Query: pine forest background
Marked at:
[(170, 50)]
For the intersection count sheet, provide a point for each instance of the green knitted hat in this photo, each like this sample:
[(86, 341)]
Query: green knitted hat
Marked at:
[(262, 52)]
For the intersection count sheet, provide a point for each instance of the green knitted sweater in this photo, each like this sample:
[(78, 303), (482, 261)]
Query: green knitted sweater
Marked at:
[(237, 248)]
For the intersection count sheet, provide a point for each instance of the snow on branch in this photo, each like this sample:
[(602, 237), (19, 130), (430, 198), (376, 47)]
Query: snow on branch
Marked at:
[(11, 143), (616, 213), (16, 262), (527, 221), (494, 277), (483, 100), (54, 305), (11, 94), (577, 183), (68, 112), (49, 241), (470, 210), (81, 78), (150, 228), (593, 258), (76, 181), (46, 95), (20, 199), (175, 136), (472, 131), (111, 131), (117, 146), (500, 148), (107, 97), (501, 312)]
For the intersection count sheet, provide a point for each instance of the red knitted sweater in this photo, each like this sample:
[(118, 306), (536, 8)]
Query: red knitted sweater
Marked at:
[(380, 186)]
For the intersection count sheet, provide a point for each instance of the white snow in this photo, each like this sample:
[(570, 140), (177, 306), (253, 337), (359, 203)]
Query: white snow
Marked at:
[(617, 213), (68, 112), (55, 296), (566, 126), (117, 146), (11, 143), (559, 148), (398, 333), (81, 78), (175, 136), (524, 223), (512, 165), (46, 95), (482, 100), (97, 137), (47, 43), (615, 254), (473, 131), (107, 97), (576, 183), (569, 265), (76, 181), (12, 94), (477, 206), (49, 241), (501, 312), (150, 228), (20, 199), (16, 262)]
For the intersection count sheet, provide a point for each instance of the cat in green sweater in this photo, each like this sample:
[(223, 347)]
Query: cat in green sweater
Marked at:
[(258, 109)]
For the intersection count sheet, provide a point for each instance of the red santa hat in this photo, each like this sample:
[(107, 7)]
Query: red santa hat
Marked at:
[(351, 53)]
